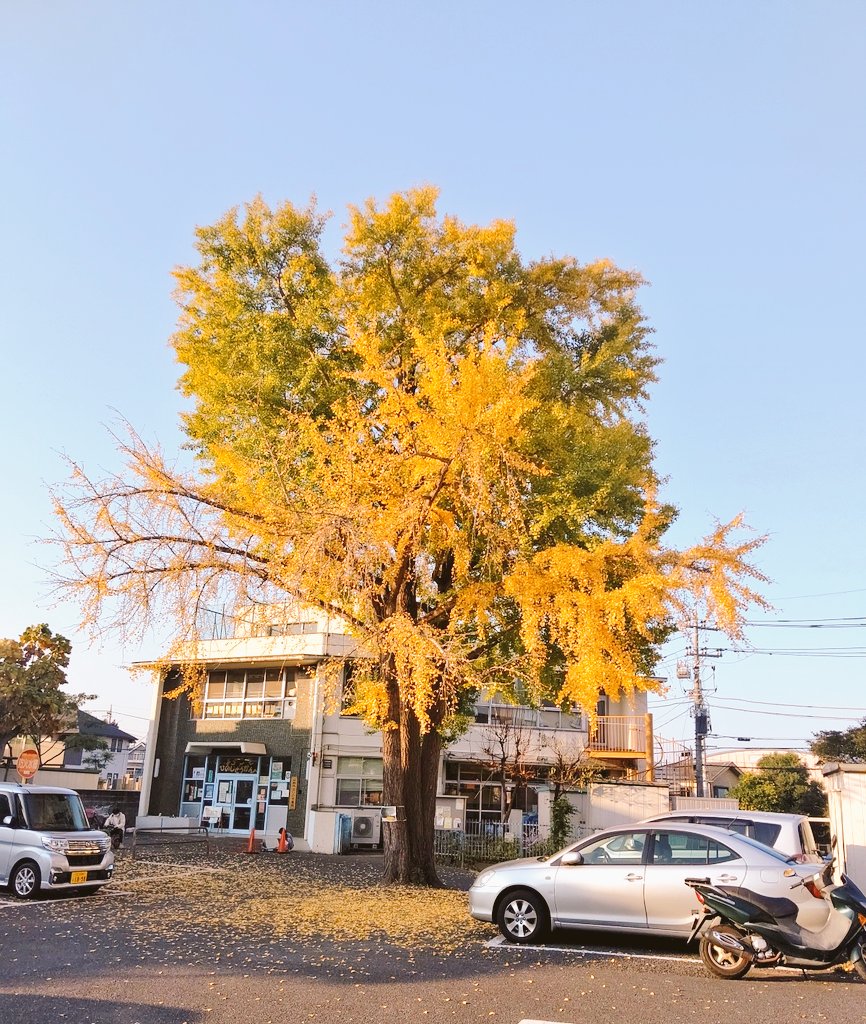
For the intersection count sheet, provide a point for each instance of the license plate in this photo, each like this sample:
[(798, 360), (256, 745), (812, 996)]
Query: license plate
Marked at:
[(77, 877)]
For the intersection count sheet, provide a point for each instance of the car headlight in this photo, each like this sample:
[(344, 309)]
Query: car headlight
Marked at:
[(56, 845), (485, 878)]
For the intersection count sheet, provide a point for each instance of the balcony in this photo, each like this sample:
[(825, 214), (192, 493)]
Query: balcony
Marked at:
[(618, 736), (518, 717)]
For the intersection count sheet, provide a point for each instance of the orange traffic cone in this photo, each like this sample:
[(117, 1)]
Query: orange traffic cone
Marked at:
[(251, 845), (282, 845)]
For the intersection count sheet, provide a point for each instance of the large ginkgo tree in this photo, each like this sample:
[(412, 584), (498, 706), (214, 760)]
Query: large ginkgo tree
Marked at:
[(431, 436)]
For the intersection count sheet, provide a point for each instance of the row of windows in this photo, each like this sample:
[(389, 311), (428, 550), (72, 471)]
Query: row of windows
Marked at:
[(250, 693), (483, 790), (520, 716)]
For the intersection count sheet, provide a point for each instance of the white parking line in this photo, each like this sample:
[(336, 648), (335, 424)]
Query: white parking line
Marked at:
[(188, 869), (502, 943), (176, 874), (22, 904)]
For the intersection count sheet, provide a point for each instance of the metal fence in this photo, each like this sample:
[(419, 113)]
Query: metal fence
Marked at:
[(489, 843)]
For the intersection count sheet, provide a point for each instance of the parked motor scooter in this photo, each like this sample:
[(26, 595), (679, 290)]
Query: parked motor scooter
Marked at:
[(115, 835), (741, 929)]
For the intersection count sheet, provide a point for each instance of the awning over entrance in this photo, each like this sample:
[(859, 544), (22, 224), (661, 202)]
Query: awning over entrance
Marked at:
[(241, 747)]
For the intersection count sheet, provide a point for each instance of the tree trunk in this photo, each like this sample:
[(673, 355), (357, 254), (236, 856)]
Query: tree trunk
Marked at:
[(410, 773)]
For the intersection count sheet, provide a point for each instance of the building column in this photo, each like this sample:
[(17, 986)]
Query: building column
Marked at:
[(147, 769)]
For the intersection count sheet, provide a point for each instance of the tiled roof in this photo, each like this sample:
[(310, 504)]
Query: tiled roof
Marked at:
[(90, 725)]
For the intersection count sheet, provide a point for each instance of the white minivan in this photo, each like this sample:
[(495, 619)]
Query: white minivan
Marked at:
[(46, 842), (790, 834)]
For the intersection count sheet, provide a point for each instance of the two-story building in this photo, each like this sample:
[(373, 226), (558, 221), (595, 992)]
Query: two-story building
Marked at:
[(89, 753), (268, 744), (135, 765)]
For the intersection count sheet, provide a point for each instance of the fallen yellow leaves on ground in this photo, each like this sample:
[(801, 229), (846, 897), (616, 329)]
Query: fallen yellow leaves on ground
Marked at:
[(292, 898), (421, 918)]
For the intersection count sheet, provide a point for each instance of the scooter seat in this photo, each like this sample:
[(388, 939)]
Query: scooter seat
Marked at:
[(778, 907)]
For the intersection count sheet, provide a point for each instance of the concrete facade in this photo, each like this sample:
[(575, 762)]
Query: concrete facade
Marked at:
[(846, 795), (318, 771)]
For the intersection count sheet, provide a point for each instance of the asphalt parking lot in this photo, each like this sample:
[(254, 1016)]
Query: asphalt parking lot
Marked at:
[(227, 939)]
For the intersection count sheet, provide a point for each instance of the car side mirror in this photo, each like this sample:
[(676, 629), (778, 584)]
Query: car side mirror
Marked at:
[(570, 860), (10, 821)]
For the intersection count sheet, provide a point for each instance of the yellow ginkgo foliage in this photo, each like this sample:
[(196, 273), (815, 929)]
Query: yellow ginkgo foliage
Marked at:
[(430, 436)]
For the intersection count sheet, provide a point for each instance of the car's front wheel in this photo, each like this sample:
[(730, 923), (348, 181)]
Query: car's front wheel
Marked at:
[(25, 880), (523, 917)]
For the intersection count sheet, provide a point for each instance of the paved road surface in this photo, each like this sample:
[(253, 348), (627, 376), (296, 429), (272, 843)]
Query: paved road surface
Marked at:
[(74, 961)]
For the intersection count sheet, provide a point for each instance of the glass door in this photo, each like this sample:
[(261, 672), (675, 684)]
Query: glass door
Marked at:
[(234, 794), (243, 805)]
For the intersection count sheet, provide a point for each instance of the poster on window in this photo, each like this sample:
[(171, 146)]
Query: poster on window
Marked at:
[(279, 794)]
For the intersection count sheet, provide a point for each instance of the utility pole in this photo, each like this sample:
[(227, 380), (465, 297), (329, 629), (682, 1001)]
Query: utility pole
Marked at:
[(700, 711)]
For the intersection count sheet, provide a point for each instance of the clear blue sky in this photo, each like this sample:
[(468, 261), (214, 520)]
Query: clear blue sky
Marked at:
[(717, 148)]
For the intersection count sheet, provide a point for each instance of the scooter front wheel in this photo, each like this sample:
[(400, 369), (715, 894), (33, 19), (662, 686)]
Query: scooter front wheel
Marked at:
[(724, 963)]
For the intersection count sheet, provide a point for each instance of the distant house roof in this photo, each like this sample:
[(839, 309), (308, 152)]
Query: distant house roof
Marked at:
[(90, 725)]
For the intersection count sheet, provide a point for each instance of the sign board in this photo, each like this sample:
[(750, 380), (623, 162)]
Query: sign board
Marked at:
[(450, 813), (27, 763)]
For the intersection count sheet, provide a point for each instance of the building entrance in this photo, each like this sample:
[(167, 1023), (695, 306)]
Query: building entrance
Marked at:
[(236, 795)]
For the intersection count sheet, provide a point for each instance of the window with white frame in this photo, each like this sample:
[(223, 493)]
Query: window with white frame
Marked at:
[(250, 693), (293, 628), (359, 781), (548, 716)]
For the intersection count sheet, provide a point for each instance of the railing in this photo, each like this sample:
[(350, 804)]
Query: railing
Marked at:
[(487, 842), (520, 716), (618, 734), (492, 842), (255, 621)]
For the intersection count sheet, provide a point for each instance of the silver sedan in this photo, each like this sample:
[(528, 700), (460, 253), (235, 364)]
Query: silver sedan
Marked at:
[(632, 879)]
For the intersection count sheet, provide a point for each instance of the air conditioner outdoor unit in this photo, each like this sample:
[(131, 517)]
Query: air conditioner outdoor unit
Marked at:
[(366, 828)]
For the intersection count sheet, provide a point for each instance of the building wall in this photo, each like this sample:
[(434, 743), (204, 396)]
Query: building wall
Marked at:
[(135, 760), (79, 779), (282, 739), (846, 793)]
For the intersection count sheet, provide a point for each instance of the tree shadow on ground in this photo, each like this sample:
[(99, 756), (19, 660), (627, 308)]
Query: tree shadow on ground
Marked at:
[(25, 1008)]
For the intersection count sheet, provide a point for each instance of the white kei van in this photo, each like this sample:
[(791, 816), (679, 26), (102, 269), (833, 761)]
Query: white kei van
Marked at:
[(790, 834), (46, 842)]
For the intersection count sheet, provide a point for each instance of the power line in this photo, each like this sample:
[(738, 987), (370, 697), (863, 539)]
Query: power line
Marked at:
[(786, 714), (116, 711), (831, 593), (833, 622), (758, 739), (816, 707), (800, 652)]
